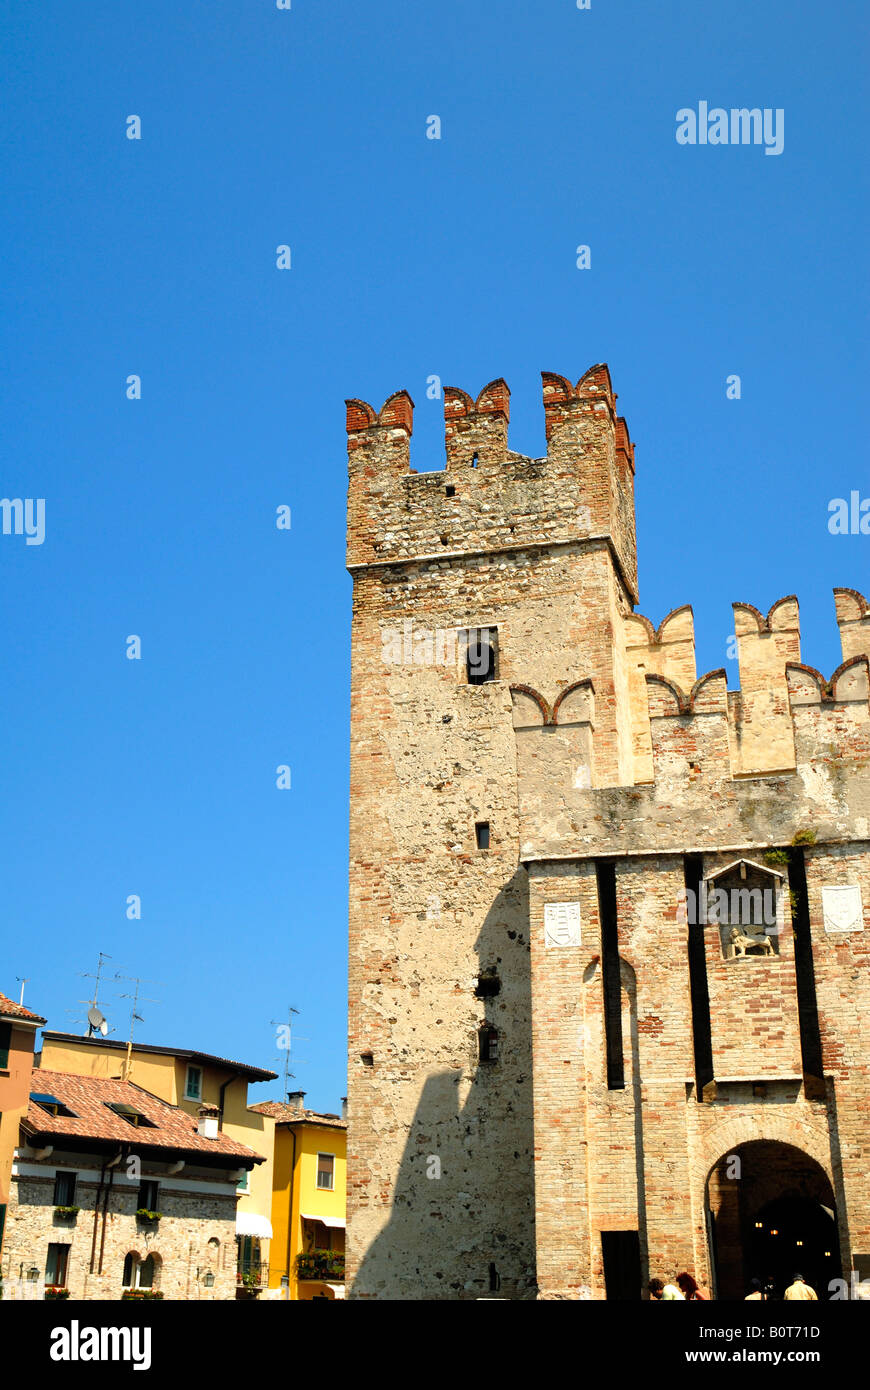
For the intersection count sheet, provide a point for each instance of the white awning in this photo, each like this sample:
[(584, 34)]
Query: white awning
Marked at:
[(248, 1223), (337, 1221), (337, 1289)]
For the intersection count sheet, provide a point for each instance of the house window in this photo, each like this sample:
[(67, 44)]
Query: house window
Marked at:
[(64, 1189), (193, 1084), (139, 1274), (242, 1184), (481, 655), (481, 834), (326, 1171), (5, 1041), (56, 1265), (130, 1114), (51, 1104), (148, 1195)]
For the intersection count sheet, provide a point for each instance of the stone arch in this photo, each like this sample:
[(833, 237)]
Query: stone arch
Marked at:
[(770, 1206), (732, 1131)]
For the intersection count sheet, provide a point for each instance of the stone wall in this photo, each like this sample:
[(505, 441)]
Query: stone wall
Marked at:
[(195, 1233)]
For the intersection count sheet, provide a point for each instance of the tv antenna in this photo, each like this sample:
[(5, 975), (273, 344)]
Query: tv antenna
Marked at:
[(22, 980), (286, 1032), (95, 1016), (135, 1017)]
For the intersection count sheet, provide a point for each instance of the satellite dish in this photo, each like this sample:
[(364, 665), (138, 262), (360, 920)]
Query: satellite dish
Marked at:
[(96, 1019), (104, 1027)]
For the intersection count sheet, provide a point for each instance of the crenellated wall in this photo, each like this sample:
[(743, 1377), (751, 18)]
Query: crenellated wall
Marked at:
[(500, 500)]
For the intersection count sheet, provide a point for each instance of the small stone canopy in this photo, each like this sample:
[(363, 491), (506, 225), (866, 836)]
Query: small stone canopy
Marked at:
[(744, 937), (744, 864)]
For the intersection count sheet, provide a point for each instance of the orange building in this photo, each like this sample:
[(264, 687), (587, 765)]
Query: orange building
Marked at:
[(17, 1036)]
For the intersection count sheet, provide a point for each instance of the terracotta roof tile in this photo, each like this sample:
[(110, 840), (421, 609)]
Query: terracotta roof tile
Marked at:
[(9, 1009), (88, 1098), (289, 1114)]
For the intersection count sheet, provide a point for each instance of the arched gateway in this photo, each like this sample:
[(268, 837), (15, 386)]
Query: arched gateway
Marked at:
[(770, 1213)]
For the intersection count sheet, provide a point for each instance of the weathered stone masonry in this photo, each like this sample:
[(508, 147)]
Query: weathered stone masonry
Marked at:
[(595, 752)]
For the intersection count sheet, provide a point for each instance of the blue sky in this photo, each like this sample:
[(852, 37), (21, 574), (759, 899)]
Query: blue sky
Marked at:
[(410, 257)]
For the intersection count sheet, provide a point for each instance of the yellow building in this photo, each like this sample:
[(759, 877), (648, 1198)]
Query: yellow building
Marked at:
[(17, 1037), (188, 1079), (309, 1177)]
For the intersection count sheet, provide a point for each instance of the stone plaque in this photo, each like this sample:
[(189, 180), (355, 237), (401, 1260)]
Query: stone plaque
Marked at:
[(562, 924), (842, 908)]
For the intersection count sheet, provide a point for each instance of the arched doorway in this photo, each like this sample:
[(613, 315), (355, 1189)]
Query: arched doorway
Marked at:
[(771, 1214)]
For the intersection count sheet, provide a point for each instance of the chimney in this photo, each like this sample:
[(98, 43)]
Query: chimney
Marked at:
[(344, 1108), (296, 1100), (207, 1121)]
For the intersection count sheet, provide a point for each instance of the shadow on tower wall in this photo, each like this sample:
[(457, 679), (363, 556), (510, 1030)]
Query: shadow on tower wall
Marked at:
[(462, 1220)]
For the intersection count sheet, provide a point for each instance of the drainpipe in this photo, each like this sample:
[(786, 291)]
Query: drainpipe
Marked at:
[(111, 1165), (97, 1216), (229, 1081)]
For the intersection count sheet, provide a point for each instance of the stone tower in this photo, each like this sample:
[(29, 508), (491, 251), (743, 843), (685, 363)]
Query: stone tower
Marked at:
[(552, 1050)]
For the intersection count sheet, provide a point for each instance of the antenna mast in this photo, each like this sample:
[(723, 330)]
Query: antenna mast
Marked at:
[(96, 1021), (285, 1033), (135, 1017)]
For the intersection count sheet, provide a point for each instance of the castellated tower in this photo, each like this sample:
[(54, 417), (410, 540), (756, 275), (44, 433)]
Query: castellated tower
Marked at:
[(607, 921)]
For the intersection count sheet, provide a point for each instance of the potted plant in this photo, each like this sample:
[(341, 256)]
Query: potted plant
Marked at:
[(148, 1218), (66, 1213), (141, 1295), (320, 1264), (56, 1291)]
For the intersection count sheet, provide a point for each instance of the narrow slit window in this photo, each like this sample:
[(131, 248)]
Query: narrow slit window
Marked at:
[(481, 834), (487, 1043), (611, 976), (450, 490)]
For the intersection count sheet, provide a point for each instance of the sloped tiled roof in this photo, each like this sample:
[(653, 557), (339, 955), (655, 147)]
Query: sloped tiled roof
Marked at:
[(9, 1009), (288, 1114), (89, 1096), (206, 1058)]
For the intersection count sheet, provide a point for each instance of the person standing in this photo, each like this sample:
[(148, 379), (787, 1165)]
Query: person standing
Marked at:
[(689, 1286), (660, 1292), (755, 1291), (800, 1291)]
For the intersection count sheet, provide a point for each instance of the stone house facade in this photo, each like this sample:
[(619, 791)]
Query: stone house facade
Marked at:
[(115, 1190), (608, 920)]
